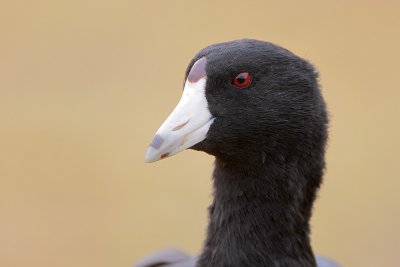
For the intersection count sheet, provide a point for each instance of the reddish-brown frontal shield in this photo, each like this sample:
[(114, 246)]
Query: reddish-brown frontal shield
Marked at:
[(198, 70)]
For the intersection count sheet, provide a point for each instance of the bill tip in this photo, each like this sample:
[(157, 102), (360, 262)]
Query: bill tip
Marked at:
[(151, 155)]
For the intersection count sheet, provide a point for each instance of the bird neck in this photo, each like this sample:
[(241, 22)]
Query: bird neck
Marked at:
[(260, 215)]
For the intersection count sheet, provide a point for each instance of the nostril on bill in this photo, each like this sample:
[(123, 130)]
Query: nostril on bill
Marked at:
[(157, 141), (180, 126)]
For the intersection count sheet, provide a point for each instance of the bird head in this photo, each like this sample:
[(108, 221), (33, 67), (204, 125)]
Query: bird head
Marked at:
[(242, 100)]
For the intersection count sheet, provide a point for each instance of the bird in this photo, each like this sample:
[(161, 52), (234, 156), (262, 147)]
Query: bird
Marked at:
[(259, 110)]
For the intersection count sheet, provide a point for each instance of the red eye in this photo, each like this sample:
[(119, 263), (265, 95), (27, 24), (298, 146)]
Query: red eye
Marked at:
[(242, 80)]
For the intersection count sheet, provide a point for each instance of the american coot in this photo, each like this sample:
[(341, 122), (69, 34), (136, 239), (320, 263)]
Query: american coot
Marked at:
[(258, 109)]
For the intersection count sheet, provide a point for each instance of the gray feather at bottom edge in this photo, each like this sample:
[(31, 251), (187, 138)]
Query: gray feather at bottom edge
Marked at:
[(167, 258), (178, 258), (323, 261)]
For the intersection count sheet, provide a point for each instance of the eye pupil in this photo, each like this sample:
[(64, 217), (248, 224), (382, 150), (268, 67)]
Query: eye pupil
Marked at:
[(242, 80)]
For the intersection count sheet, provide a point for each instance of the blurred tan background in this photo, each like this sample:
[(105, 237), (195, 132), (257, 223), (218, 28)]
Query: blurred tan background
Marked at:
[(84, 85)]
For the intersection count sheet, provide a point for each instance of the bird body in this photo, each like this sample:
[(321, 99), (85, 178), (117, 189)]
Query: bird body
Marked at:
[(177, 258), (258, 109)]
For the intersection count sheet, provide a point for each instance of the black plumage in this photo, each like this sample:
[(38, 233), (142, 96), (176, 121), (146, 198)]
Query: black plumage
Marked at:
[(269, 144)]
